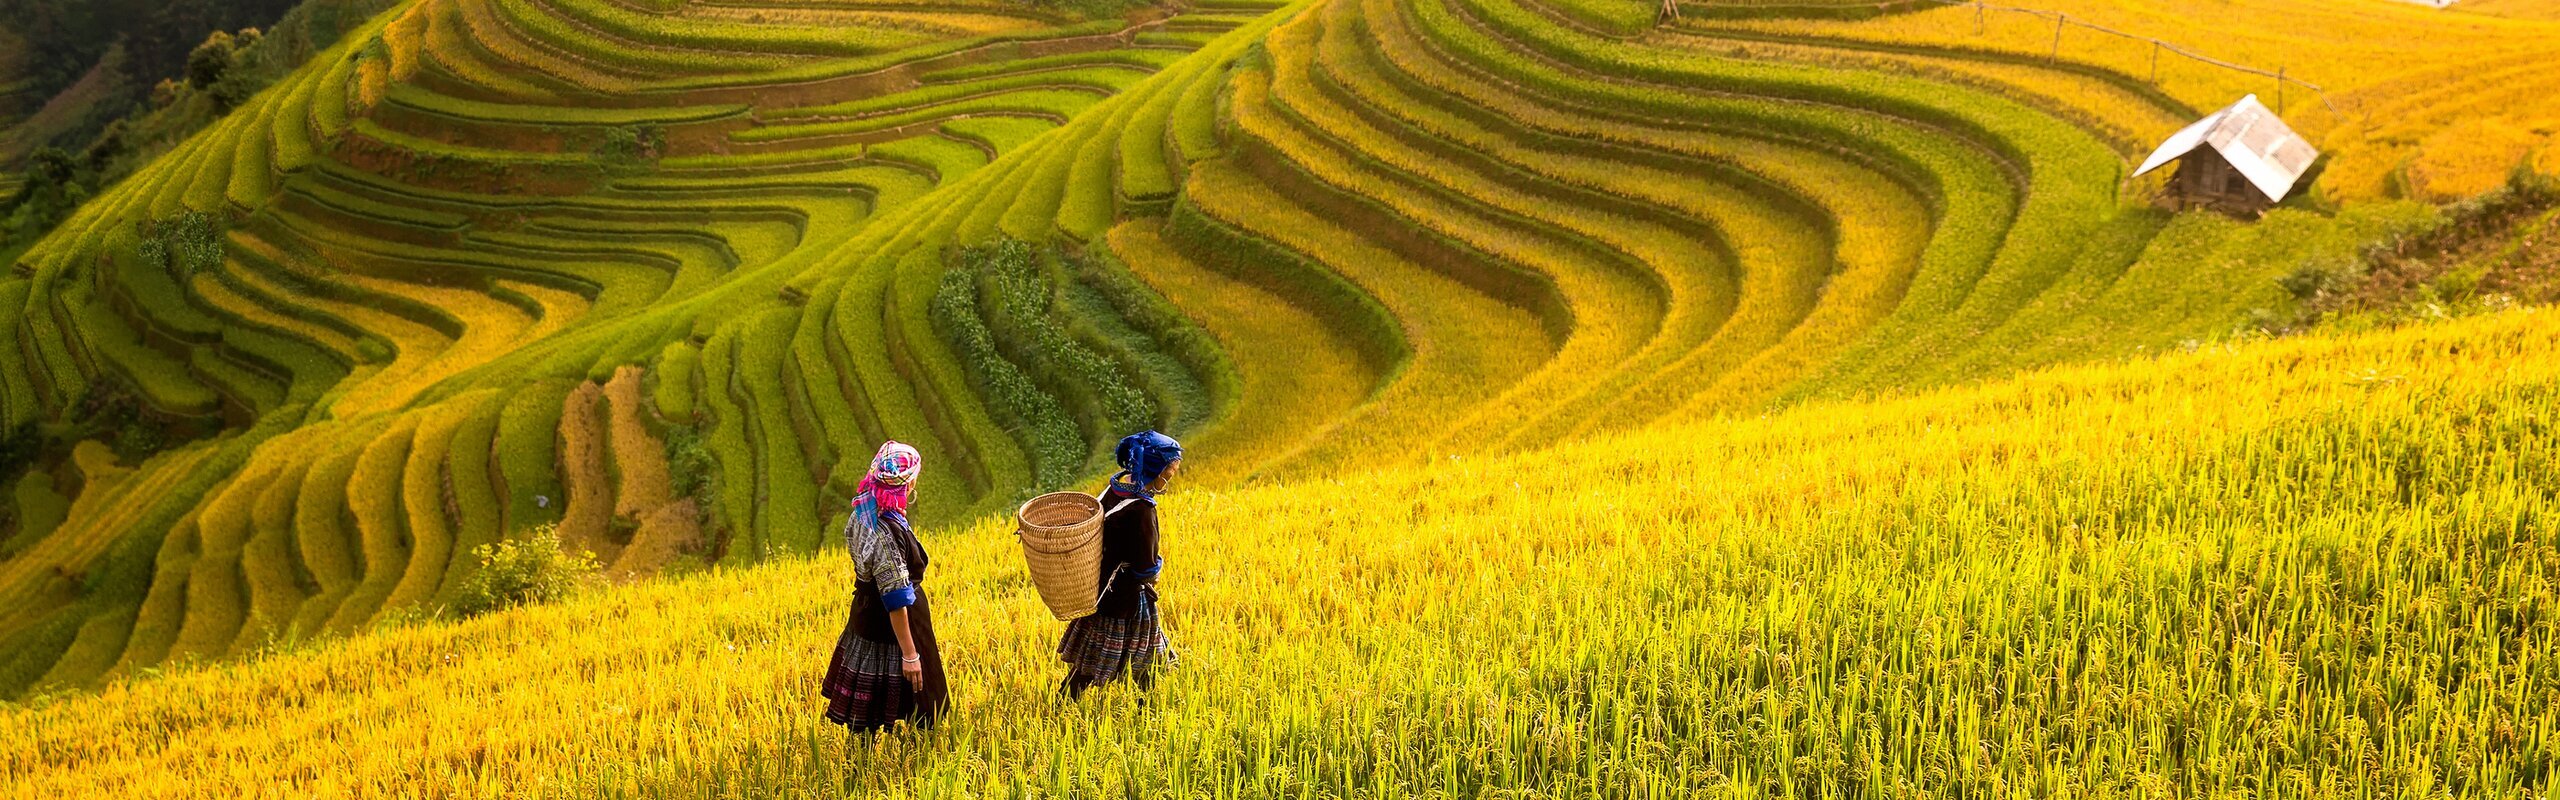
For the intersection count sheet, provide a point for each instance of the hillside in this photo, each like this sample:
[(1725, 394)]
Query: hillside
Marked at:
[(663, 273), (2313, 567), (68, 67)]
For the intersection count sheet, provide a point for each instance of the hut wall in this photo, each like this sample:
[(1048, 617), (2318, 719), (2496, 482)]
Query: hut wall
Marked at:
[(2205, 179)]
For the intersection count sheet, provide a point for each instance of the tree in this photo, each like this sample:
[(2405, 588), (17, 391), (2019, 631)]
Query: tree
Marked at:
[(53, 189), (207, 63)]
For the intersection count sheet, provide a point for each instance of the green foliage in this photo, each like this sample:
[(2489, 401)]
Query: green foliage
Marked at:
[(373, 350), (1000, 134), (158, 37), (2412, 270), (1194, 126), (162, 40), (729, 432), (162, 381), (690, 466), (1032, 416), (479, 517), (948, 159), (632, 147), (1059, 104), (1022, 316), (1106, 78), (536, 568), (1142, 59), (209, 62), (55, 186), (186, 244)]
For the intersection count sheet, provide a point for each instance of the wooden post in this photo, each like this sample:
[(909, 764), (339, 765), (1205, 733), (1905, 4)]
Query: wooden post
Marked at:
[(2057, 37), (1981, 25), (2279, 91), (2155, 62)]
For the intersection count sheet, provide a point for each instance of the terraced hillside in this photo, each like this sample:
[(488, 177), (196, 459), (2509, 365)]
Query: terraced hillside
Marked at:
[(398, 305), (2308, 568), (665, 272)]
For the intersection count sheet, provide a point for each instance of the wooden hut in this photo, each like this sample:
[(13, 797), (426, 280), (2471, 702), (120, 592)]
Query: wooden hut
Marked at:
[(2240, 160)]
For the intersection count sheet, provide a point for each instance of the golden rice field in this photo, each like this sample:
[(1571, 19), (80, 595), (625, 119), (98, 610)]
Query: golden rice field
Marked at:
[(1783, 398), (2318, 567), (2414, 101)]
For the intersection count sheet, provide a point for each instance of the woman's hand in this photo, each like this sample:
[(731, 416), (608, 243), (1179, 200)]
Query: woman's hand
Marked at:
[(908, 661)]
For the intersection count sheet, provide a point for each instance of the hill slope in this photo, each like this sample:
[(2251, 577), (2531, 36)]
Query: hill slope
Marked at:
[(664, 273), (2311, 567)]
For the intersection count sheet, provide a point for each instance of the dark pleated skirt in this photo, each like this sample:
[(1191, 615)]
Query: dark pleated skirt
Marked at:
[(864, 688), (1100, 649)]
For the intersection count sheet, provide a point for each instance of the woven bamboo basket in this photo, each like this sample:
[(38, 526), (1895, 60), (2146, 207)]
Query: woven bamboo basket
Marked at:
[(1061, 535)]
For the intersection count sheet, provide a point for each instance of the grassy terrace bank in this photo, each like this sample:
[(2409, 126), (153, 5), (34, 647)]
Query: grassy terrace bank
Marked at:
[(2313, 567)]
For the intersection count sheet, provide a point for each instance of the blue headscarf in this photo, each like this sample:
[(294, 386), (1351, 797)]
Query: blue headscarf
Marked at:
[(1143, 457)]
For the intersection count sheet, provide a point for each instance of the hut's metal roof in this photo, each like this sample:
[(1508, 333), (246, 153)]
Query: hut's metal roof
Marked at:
[(2252, 138)]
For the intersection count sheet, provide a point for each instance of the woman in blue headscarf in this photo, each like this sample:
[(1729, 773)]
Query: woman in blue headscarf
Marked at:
[(1122, 638)]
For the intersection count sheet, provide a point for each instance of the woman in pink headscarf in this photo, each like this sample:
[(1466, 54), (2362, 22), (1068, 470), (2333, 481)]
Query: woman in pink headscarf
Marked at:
[(886, 667)]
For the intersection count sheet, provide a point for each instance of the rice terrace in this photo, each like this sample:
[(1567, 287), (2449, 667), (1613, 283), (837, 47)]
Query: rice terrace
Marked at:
[(1291, 398)]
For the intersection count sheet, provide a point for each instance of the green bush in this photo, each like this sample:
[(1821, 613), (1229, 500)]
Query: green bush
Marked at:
[(690, 465), (1033, 416), (631, 148), (186, 244), (1022, 313), (535, 569)]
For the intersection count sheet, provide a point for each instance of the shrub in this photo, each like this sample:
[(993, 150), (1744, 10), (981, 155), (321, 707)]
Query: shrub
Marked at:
[(632, 147), (210, 60), (1024, 305), (1032, 415), (537, 568), (186, 244)]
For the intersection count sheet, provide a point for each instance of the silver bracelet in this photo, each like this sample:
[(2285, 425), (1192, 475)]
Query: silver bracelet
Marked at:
[(912, 659)]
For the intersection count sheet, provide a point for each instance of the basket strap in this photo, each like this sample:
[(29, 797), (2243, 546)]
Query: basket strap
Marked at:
[(1116, 509)]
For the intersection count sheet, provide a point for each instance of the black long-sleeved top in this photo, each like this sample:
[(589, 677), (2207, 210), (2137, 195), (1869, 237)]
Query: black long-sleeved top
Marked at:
[(1129, 550)]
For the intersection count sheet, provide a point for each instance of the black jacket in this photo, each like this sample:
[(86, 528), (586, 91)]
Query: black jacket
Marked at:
[(1129, 555)]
